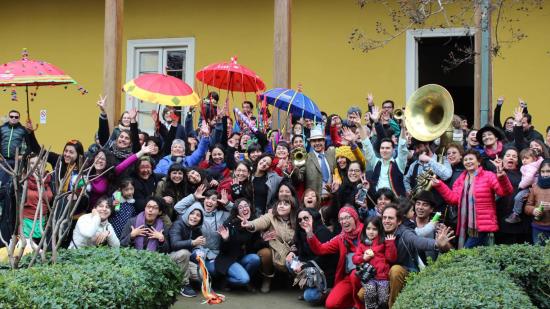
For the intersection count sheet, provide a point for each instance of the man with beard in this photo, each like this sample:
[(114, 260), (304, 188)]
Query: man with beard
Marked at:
[(408, 247)]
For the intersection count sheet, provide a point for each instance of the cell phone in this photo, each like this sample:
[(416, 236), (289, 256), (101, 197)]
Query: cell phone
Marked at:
[(362, 196)]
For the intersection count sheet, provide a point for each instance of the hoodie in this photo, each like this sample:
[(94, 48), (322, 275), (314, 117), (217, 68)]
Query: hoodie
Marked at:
[(182, 234), (211, 222)]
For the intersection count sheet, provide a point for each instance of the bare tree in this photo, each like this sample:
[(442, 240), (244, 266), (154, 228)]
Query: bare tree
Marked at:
[(61, 211), (430, 14)]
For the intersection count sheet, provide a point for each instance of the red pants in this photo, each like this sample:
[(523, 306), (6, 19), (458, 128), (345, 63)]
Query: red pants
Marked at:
[(344, 294)]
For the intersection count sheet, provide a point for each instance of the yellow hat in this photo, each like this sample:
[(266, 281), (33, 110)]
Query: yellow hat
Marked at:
[(345, 151)]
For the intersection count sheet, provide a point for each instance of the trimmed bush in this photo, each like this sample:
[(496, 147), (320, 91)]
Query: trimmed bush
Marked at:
[(516, 276), (94, 278)]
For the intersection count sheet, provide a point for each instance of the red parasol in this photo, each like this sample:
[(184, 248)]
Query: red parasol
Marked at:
[(27, 72), (231, 76)]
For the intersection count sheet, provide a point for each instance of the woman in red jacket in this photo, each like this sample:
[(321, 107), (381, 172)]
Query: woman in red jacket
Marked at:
[(380, 254), (346, 285), (474, 194)]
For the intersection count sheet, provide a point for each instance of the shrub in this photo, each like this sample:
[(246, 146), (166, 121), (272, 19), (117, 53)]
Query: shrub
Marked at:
[(516, 276), (94, 278)]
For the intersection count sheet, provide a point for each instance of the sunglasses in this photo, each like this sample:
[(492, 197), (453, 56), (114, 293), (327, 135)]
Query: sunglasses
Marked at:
[(14, 117), (305, 219)]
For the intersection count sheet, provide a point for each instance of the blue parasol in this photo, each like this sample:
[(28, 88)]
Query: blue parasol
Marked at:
[(293, 102)]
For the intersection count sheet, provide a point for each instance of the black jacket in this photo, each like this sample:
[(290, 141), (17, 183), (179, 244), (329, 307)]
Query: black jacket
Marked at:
[(181, 235), (327, 262), (240, 243), (409, 245)]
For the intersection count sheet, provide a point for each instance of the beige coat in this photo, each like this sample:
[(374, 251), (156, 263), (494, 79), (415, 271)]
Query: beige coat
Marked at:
[(280, 246)]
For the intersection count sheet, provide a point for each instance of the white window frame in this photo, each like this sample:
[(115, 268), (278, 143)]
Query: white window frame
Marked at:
[(411, 52), (161, 45)]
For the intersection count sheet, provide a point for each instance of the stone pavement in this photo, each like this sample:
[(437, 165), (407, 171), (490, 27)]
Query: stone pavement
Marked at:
[(279, 298)]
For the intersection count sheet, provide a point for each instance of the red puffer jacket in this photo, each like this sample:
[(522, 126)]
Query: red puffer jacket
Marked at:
[(486, 185), (385, 253)]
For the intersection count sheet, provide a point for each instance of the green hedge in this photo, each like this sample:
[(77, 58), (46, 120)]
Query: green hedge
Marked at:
[(94, 278), (516, 276)]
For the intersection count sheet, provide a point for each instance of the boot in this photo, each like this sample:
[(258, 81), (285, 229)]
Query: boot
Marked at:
[(266, 285)]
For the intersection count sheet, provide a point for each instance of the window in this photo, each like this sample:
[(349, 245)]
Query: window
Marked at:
[(174, 57)]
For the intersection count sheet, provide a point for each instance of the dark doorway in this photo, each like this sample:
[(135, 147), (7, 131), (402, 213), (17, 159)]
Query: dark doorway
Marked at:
[(436, 66)]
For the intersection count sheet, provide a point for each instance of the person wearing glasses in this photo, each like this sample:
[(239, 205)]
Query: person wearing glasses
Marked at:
[(12, 136)]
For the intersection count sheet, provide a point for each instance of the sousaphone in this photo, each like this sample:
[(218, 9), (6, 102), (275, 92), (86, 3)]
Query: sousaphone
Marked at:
[(429, 113)]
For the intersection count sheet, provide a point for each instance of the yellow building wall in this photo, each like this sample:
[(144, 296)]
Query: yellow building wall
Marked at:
[(69, 34)]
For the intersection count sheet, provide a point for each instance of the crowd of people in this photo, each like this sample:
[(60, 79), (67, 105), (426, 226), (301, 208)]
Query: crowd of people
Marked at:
[(338, 207)]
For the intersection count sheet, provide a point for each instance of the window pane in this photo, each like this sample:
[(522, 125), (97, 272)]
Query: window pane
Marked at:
[(177, 74), (149, 61), (175, 60)]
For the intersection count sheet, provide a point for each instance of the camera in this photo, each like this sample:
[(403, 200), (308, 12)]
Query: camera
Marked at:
[(365, 272)]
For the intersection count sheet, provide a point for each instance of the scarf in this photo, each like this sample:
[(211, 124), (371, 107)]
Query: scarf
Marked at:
[(543, 182), (217, 169), (354, 235), (121, 153), (467, 220), (152, 244), (492, 153)]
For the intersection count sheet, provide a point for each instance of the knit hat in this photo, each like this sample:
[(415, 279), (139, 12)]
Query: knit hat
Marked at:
[(345, 151)]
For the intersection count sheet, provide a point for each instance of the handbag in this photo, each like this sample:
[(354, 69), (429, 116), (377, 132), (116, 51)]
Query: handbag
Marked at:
[(312, 277)]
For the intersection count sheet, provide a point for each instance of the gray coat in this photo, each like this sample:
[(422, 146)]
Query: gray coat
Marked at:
[(211, 222), (408, 246)]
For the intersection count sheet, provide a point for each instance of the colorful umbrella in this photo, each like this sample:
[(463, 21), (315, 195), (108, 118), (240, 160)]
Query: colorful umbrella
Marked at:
[(293, 102), (27, 72), (231, 76), (162, 89)]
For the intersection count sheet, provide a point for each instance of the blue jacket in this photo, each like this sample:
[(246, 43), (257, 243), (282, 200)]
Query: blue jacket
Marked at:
[(189, 161)]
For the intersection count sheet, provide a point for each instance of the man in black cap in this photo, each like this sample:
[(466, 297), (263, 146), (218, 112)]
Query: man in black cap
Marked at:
[(424, 204)]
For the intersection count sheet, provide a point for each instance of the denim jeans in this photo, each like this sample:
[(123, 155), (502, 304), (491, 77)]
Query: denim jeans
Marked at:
[(312, 295), (481, 240), (239, 272)]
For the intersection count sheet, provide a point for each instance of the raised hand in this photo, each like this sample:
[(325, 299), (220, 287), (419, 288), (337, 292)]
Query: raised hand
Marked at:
[(348, 135), (224, 199), (390, 237), (138, 231), (223, 232), (370, 99), (244, 222), (375, 114), (498, 163), (443, 239), (133, 112), (145, 150), (522, 103), (518, 114), (364, 182), (205, 129), (199, 192), (155, 116), (500, 100), (101, 103)]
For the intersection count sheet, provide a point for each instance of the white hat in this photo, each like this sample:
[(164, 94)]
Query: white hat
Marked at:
[(316, 134)]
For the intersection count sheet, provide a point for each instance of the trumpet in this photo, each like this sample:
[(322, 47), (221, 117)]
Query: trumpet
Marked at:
[(398, 114), (298, 156)]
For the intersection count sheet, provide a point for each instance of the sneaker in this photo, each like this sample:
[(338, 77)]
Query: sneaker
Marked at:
[(250, 288), (513, 218), (187, 291)]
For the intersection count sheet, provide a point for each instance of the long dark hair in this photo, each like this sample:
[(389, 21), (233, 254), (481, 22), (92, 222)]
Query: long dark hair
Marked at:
[(173, 188), (292, 214), (220, 147), (299, 233), (377, 222), (235, 211)]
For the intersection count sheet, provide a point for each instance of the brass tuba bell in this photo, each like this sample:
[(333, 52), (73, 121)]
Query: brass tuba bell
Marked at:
[(398, 114), (429, 112), (298, 156)]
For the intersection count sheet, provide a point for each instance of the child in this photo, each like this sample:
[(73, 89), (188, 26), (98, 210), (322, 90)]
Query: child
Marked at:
[(124, 206), (538, 204), (380, 254), (531, 163), (31, 209)]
